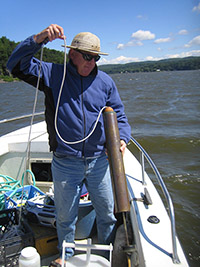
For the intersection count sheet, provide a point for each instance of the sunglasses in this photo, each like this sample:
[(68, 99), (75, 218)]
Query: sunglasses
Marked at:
[(89, 57)]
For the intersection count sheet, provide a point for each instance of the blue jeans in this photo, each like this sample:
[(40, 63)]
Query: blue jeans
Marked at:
[(69, 174)]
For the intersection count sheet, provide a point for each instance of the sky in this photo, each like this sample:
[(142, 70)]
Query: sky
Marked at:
[(129, 30)]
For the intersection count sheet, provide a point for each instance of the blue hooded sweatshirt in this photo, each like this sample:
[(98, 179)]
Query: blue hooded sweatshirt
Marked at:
[(80, 103)]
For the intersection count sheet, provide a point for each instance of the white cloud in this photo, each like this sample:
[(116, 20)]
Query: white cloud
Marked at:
[(183, 32), (192, 53), (136, 39), (143, 35), (162, 40), (150, 58), (123, 59), (118, 60), (129, 44), (196, 8), (194, 41), (120, 46)]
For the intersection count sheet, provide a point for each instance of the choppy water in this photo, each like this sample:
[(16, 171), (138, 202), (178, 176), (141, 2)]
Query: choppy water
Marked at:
[(163, 109)]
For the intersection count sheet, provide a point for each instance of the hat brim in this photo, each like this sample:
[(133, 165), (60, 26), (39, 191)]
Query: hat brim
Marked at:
[(86, 50)]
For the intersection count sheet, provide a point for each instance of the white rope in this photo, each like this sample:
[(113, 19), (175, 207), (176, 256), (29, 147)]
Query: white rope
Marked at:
[(85, 138), (33, 113), (27, 160), (56, 112), (57, 106)]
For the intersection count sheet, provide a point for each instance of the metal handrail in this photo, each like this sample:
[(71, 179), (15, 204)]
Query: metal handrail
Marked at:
[(21, 117), (167, 196)]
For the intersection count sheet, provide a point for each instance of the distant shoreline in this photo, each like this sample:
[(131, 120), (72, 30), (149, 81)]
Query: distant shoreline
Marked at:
[(107, 71)]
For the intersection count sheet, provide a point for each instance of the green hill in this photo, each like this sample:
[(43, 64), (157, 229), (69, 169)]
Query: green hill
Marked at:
[(188, 63), (6, 48)]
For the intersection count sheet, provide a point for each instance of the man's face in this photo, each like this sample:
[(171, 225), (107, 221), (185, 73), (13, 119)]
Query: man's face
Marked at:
[(83, 66)]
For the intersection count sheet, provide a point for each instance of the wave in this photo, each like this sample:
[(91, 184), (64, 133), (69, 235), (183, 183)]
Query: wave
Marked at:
[(159, 144)]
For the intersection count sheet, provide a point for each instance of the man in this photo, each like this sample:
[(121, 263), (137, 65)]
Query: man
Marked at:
[(85, 92)]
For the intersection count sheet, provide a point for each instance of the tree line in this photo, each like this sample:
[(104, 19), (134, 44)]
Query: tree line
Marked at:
[(52, 55), (187, 63), (6, 48)]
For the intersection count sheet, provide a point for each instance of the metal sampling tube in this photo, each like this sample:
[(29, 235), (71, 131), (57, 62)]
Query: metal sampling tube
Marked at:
[(115, 158)]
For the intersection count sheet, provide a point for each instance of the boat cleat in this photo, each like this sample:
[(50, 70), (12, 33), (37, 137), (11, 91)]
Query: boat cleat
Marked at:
[(146, 199)]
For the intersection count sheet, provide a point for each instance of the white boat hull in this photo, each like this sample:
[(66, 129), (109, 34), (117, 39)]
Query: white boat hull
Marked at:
[(152, 241)]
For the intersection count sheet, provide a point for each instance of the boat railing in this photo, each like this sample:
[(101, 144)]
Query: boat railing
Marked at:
[(144, 154), (21, 117)]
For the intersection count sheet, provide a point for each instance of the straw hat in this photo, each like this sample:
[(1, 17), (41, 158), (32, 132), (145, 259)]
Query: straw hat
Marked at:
[(87, 41)]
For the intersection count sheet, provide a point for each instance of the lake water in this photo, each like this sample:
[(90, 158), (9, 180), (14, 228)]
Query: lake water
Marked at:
[(163, 109)]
